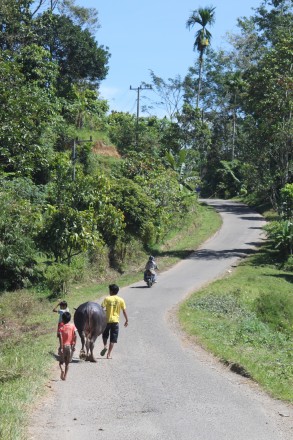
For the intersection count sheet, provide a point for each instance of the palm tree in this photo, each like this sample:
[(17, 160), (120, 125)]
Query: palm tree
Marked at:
[(202, 17)]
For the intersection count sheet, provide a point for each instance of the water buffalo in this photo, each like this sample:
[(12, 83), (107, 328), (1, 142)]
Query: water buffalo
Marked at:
[(90, 321)]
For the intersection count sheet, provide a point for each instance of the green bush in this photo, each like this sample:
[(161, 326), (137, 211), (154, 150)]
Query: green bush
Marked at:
[(18, 253), (276, 309), (90, 266), (281, 235), (57, 279), (288, 265), (98, 260), (286, 208)]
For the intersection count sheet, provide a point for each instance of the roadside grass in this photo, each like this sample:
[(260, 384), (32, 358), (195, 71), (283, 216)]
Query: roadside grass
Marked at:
[(86, 133), (28, 341), (246, 320)]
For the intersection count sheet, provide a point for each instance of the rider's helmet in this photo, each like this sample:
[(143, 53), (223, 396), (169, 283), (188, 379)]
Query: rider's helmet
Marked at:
[(151, 258)]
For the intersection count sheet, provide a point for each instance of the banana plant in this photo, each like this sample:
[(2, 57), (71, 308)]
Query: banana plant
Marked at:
[(178, 164)]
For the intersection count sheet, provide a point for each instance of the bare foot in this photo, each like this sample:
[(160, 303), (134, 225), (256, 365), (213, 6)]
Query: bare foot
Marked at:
[(109, 357), (62, 376)]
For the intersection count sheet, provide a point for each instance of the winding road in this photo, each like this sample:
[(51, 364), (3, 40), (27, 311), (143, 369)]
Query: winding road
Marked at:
[(159, 385)]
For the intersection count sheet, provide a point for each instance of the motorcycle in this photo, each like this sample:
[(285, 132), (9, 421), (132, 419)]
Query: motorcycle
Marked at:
[(149, 278)]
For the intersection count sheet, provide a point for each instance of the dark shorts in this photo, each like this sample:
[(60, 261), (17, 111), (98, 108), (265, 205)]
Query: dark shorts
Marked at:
[(112, 329), (66, 356)]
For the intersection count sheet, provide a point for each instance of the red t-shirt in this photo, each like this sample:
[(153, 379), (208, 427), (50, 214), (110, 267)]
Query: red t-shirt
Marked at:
[(68, 334)]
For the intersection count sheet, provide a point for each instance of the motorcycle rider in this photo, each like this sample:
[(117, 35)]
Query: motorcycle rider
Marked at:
[(151, 266)]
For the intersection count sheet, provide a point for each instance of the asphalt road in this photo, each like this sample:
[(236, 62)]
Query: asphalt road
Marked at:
[(159, 385)]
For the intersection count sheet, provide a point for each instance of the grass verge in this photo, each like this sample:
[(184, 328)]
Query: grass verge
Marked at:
[(246, 320), (28, 327)]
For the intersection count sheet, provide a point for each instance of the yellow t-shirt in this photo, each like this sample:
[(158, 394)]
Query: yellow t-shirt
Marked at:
[(113, 305)]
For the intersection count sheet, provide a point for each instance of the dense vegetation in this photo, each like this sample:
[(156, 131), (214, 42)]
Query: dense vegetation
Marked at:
[(229, 131), (63, 208)]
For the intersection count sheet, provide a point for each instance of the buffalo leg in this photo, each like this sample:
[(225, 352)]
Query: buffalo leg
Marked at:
[(82, 352), (90, 348)]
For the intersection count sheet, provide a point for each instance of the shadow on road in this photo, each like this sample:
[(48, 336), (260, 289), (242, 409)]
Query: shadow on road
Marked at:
[(242, 210), (208, 254), (56, 357), (252, 218), (236, 208)]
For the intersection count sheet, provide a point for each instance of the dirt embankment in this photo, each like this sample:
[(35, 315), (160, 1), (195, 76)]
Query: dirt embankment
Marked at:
[(105, 150)]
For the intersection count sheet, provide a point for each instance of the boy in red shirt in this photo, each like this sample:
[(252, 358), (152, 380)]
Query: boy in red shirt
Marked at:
[(67, 338)]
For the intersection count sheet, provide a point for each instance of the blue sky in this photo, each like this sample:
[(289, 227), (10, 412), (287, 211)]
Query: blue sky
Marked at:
[(144, 35)]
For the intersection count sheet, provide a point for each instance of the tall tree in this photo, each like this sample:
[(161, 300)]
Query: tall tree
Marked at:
[(170, 94), (30, 112), (84, 17), (269, 101), (77, 53), (203, 17), (15, 24)]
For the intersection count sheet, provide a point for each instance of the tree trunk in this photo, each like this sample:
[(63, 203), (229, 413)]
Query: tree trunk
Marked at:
[(199, 80)]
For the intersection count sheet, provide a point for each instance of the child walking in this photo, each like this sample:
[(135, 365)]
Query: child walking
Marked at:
[(67, 339), (63, 307), (113, 304)]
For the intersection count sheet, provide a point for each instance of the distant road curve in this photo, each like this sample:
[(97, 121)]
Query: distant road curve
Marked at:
[(159, 386)]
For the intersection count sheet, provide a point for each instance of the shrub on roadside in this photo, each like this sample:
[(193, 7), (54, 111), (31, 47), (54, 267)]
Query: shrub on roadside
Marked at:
[(281, 235), (18, 253), (57, 279), (288, 266), (276, 309), (286, 204)]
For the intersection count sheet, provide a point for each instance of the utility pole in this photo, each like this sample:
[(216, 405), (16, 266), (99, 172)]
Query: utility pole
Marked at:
[(74, 155), (138, 89)]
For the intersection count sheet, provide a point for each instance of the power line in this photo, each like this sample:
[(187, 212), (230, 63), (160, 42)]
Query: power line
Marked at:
[(138, 89)]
